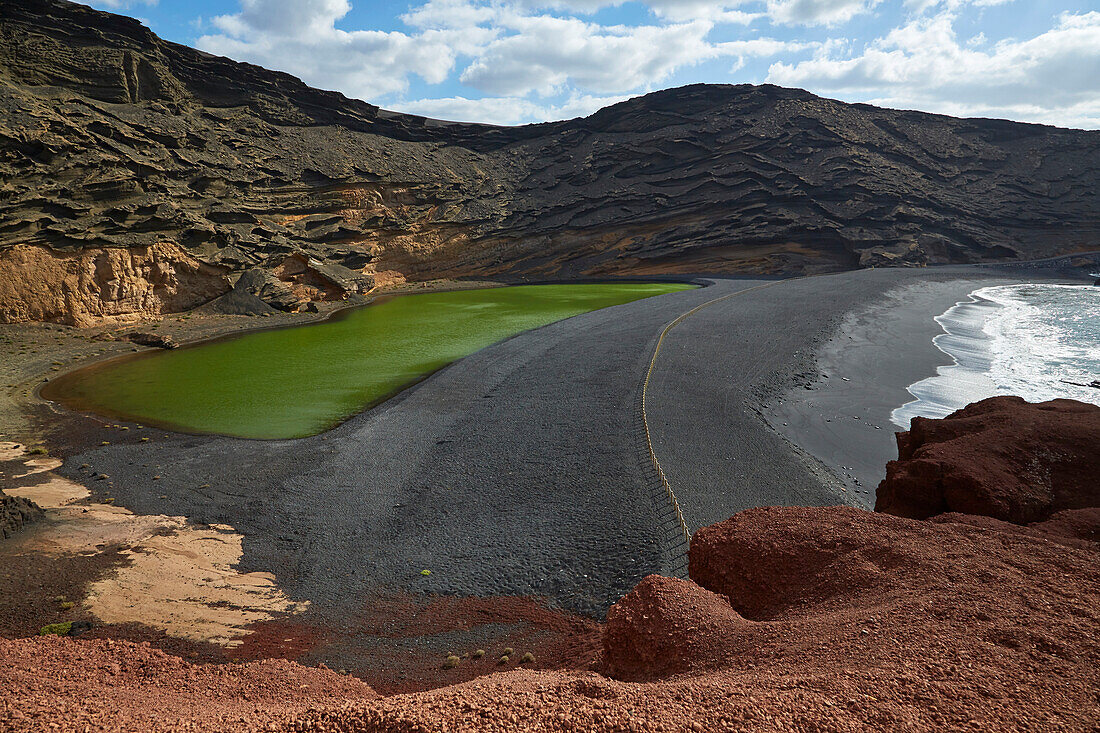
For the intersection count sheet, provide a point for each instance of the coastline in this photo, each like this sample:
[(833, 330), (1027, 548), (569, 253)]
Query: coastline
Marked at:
[(39, 351), (842, 414)]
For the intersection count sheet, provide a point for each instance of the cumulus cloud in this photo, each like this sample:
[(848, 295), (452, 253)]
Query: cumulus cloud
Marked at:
[(512, 61), (300, 36), (1050, 77), (121, 4), (506, 110), (547, 53), (818, 12)]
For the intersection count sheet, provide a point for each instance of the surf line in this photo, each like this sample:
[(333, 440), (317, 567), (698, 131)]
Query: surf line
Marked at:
[(645, 393)]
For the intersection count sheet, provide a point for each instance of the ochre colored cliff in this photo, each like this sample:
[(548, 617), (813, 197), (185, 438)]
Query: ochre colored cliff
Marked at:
[(85, 287)]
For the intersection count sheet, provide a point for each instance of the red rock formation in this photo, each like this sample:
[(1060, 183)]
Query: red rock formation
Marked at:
[(59, 683), (796, 618), (866, 622), (1001, 457)]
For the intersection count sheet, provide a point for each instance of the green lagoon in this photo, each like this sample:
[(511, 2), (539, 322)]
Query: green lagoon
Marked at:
[(302, 380)]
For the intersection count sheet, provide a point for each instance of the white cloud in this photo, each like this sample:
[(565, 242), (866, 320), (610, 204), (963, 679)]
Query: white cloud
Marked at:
[(505, 110), (120, 4), (300, 36), (717, 12), (922, 6), (547, 53), (818, 12), (1051, 77)]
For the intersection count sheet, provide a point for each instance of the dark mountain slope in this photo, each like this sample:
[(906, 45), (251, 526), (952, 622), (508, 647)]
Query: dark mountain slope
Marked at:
[(201, 167)]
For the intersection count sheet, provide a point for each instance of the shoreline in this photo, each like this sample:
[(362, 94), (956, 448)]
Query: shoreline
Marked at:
[(842, 415), (340, 312), (974, 339), (23, 412)]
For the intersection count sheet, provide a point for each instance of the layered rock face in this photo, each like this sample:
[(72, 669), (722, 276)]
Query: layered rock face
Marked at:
[(113, 138), (90, 286), (1002, 457)]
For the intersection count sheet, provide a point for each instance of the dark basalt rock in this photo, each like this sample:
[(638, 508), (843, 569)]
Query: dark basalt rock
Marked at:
[(15, 513), (144, 338), (112, 137)]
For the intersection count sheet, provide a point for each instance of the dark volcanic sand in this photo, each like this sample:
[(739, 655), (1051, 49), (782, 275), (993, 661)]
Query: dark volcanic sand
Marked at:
[(520, 470)]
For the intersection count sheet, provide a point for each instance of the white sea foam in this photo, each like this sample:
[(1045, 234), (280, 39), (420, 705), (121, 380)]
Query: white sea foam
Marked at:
[(1032, 340)]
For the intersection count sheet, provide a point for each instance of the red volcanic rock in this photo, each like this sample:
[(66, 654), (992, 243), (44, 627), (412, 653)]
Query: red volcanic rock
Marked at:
[(769, 565), (60, 683), (1072, 527), (667, 626), (1001, 457)]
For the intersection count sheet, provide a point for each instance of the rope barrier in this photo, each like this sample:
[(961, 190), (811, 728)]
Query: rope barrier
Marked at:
[(645, 393)]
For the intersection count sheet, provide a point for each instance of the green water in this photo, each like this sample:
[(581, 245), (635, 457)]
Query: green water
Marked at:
[(298, 381)]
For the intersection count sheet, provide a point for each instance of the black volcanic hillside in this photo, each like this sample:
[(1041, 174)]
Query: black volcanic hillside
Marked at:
[(139, 176)]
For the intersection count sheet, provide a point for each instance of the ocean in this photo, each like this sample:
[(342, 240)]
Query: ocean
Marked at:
[(1037, 341)]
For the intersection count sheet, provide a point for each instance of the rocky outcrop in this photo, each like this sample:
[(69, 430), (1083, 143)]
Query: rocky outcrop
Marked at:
[(794, 587), (962, 616), (99, 285), (1001, 457), (15, 513), (158, 340), (1016, 504), (111, 137)]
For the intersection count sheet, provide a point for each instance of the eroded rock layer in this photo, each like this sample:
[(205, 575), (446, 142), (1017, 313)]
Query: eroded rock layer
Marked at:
[(113, 138)]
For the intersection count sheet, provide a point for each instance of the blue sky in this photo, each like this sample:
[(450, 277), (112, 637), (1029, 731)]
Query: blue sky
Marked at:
[(517, 61)]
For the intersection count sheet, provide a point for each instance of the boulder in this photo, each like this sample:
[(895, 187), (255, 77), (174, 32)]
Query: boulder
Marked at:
[(144, 338), (1002, 457), (271, 290), (15, 513)]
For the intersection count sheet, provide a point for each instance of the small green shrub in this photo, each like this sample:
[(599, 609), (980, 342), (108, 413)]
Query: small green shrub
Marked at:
[(61, 629)]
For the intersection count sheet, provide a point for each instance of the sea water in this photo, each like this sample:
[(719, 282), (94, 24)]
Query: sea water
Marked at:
[(1036, 341)]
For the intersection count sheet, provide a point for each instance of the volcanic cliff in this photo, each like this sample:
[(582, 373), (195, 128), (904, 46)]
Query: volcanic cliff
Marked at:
[(113, 139)]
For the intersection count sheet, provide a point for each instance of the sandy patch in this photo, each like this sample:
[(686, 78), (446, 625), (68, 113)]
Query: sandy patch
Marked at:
[(39, 465), (9, 451), (184, 583), (180, 577), (54, 493)]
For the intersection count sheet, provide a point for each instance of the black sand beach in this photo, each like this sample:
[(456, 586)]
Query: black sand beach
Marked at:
[(876, 350)]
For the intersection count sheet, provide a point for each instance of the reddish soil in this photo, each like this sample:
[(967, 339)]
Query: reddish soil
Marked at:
[(795, 619), (34, 587), (863, 621), (400, 643), (1001, 457), (55, 683)]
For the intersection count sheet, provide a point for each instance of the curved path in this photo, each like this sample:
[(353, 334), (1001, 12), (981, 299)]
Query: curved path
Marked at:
[(522, 469)]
